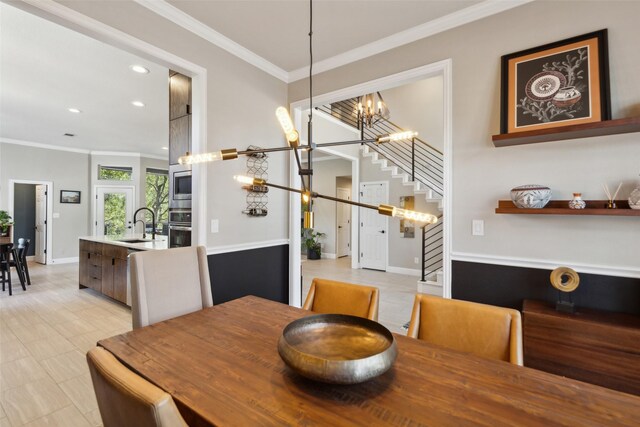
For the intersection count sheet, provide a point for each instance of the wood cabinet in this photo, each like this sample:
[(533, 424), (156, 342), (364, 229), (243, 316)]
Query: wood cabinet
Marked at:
[(179, 116), (179, 96), (103, 268), (593, 346), (179, 138)]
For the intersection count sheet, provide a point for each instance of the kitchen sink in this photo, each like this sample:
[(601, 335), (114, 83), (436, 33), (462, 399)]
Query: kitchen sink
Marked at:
[(135, 240)]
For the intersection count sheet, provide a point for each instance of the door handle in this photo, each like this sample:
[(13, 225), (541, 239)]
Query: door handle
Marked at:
[(129, 227), (382, 231), (339, 226)]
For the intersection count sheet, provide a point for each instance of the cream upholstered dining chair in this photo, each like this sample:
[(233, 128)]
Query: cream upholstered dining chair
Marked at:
[(484, 330), (330, 296), (126, 399), (168, 283)]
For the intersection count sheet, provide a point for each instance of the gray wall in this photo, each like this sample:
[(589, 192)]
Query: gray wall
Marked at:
[(240, 111), (67, 171), (482, 174), (324, 182), (24, 211)]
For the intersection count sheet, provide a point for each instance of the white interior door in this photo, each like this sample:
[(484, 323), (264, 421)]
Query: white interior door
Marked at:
[(114, 211), (343, 219), (41, 224), (374, 233)]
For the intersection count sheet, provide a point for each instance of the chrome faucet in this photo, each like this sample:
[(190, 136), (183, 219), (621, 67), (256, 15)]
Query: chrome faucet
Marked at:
[(144, 228)]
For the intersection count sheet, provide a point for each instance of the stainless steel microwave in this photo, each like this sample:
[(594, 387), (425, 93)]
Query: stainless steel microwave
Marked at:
[(179, 186)]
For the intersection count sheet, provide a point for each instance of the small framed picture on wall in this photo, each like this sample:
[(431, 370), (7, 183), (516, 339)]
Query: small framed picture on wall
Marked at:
[(67, 196), (557, 84)]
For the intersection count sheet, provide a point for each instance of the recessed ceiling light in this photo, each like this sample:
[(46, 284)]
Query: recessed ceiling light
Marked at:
[(74, 110), (138, 103), (140, 69), (165, 148)]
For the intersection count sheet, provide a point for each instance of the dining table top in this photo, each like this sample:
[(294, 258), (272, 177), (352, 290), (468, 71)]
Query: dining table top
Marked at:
[(222, 367)]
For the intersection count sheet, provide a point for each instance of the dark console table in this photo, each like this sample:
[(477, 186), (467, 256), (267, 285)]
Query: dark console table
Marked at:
[(593, 346)]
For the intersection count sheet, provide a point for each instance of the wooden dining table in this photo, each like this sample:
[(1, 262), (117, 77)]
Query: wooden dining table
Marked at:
[(222, 367)]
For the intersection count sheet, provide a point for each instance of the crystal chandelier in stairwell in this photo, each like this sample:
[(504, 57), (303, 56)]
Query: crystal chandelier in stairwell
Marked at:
[(372, 109)]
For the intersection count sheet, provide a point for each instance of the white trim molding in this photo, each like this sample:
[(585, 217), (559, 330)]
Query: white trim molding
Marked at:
[(325, 255), (246, 246), (188, 22), (80, 150), (70, 260), (406, 271), (604, 270)]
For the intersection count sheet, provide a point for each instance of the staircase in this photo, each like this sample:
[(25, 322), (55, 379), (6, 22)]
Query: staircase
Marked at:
[(415, 162)]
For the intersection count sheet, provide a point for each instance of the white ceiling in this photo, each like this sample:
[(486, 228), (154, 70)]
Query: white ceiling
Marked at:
[(46, 68), (278, 30)]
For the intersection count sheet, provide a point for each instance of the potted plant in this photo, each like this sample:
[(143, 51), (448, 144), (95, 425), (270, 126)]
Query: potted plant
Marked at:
[(5, 223), (312, 243)]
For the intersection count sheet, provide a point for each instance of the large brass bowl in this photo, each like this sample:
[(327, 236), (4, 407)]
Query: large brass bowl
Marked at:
[(337, 349)]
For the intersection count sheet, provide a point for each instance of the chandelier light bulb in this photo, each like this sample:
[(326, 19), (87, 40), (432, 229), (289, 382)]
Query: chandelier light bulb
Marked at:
[(287, 125), (190, 159), (395, 212)]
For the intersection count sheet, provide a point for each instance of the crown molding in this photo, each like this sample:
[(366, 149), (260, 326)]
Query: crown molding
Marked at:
[(80, 150), (43, 146), (410, 35), (188, 22)]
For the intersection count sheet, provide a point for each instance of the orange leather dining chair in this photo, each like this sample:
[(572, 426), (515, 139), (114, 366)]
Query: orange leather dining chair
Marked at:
[(484, 330), (330, 296), (127, 400)]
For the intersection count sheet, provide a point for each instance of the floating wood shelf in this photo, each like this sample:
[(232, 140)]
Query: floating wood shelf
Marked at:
[(607, 127), (561, 207)]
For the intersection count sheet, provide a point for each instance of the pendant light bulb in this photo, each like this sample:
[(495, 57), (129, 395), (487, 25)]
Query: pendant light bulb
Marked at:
[(243, 179), (398, 136), (287, 125), (400, 213), (190, 159)]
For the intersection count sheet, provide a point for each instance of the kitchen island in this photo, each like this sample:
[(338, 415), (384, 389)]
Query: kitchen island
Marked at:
[(104, 262)]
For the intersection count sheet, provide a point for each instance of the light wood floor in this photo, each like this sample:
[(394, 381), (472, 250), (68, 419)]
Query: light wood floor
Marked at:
[(397, 291), (45, 333)]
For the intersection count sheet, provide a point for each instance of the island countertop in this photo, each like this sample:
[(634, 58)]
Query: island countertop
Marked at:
[(132, 241)]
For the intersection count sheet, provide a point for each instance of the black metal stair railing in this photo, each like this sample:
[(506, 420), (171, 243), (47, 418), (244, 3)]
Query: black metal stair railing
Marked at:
[(415, 157), (432, 239)]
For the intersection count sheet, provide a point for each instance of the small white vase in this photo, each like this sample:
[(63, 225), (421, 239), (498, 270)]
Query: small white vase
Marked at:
[(634, 199), (577, 202)]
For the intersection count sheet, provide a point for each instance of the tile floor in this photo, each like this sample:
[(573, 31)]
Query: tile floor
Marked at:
[(46, 331), (397, 291)]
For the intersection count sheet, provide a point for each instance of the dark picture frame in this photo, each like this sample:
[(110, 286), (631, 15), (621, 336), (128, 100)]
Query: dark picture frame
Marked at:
[(69, 196), (556, 84)]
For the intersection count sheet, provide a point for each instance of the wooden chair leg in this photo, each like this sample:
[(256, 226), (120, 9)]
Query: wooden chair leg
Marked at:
[(26, 272)]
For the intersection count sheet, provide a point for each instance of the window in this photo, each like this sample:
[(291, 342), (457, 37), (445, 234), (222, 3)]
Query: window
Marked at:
[(115, 173), (157, 198)]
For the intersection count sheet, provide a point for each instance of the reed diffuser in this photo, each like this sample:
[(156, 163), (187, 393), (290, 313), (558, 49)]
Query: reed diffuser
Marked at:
[(611, 203)]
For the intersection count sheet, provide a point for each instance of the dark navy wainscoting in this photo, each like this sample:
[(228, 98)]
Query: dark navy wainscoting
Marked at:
[(508, 286), (263, 272)]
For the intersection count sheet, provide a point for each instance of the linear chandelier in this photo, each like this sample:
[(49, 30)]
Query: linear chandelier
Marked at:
[(368, 114)]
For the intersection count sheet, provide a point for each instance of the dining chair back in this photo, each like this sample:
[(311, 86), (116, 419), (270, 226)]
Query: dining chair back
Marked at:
[(23, 251), (168, 283), (127, 400), (485, 330), (330, 296)]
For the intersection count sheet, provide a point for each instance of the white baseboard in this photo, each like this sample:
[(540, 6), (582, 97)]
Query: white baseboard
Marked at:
[(328, 256), (407, 271), (65, 260), (603, 270), (246, 246)]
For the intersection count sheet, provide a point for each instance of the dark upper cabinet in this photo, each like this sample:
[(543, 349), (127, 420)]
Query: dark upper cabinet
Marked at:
[(179, 138), (179, 96)]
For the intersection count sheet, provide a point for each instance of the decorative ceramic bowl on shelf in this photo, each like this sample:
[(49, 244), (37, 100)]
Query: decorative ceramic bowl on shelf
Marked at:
[(531, 196), (634, 199)]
